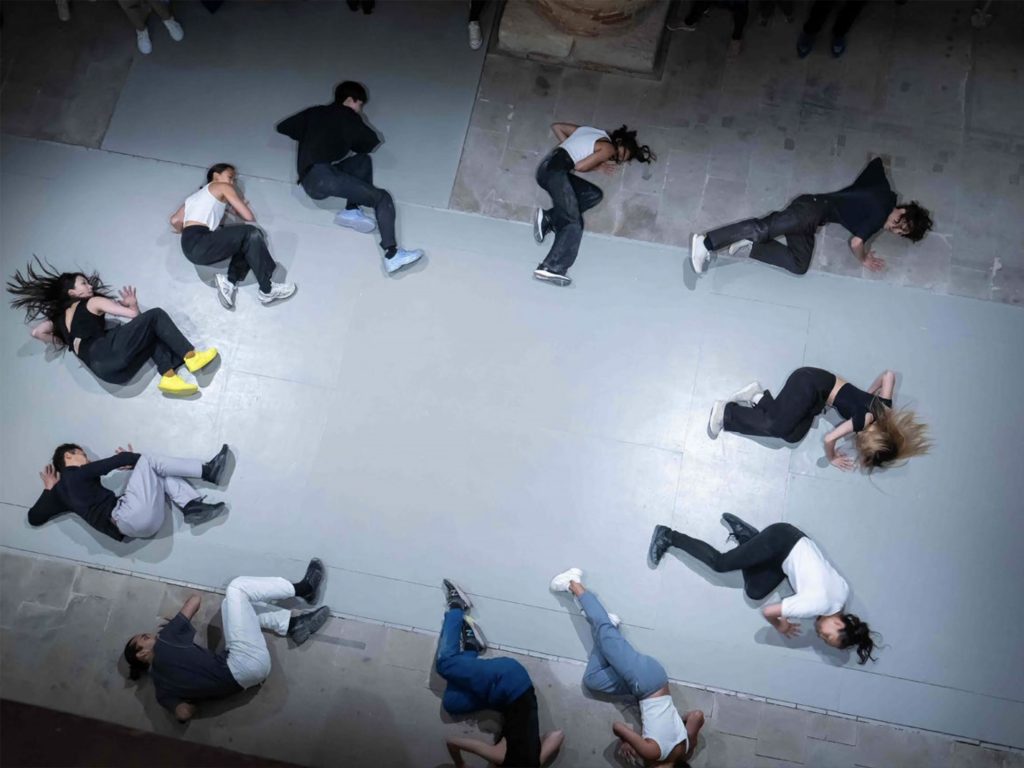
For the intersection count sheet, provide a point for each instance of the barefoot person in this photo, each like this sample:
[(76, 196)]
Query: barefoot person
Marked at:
[(580, 149), (204, 241), (883, 436), (501, 684), (863, 208), (185, 674), (615, 668), (72, 484), (73, 307), (769, 557), (334, 161)]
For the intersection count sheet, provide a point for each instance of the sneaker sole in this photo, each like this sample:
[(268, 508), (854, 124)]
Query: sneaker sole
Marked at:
[(650, 548), (320, 617), (538, 226), (477, 631), (559, 280), (207, 516), (462, 595), (391, 270), (711, 416), (697, 267), (361, 228), (318, 592)]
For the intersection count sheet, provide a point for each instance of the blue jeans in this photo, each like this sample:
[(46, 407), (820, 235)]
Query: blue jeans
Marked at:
[(352, 178), (570, 197), (474, 683), (614, 667)]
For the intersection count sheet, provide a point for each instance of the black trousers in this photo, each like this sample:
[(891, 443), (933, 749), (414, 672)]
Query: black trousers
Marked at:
[(740, 10), (352, 178), (789, 415), (760, 558), (570, 197), (848, 12), (476, 7), (797, 222), (119, 354), (244, 244)]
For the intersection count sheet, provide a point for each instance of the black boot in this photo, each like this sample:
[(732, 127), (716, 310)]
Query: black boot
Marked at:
[(741, 531), (302, 627), (455, 597), (198, 511), (310, 588), (472, 636), (214, 468), (660, 542)]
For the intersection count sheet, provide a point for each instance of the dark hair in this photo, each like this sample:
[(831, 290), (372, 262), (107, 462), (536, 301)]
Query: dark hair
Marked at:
[(623, 137), (44, 293), (350, 89), (917, 219), (58, 455), (217, 168), (135, 665), (857, 633)]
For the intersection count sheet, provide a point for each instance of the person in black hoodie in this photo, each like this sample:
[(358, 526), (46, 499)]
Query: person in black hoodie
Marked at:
[(72, 483), (334, 161)]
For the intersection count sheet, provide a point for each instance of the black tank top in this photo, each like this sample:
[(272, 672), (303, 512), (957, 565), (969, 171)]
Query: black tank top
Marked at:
[(855, 404), (85, 326)]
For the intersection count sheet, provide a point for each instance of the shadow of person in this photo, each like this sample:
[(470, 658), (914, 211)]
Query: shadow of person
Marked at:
[(806, 639)]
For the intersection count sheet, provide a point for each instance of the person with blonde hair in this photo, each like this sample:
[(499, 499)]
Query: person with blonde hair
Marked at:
[(883, 435)]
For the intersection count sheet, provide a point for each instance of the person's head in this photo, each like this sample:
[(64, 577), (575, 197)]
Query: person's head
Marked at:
[(909, 220), (44, 292), (221, 172), (68, 455), (350, 94), (138, 652), (844, 630), (627, 148), (892, 436)]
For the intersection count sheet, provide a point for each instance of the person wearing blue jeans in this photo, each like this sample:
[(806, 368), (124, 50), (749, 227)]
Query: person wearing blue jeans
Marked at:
[(501, 684), (615, 668)]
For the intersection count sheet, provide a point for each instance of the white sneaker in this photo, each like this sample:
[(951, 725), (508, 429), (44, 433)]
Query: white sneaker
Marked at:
[(143, 41), (277, 291), (739, 245), (225, 290), (402, 258), (699, 255), (561, 582), (476, 38), (174, 30), (717, 419), (538, 225), (355, 219), (746, 394)]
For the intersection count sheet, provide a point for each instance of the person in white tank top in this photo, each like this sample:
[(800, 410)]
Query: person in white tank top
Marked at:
[(581, 148), (615, 668), (204, 241)]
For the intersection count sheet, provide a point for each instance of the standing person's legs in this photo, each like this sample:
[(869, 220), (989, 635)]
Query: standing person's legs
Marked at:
[(789, 415), (322, 181), (162, 10), (136, 11), (818, 14), (462, 670), (140, 511), (639, 674), (844, 19), (245, 613), (566, 219)]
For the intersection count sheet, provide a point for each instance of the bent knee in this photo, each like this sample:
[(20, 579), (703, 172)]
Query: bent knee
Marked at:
[(155, 312)]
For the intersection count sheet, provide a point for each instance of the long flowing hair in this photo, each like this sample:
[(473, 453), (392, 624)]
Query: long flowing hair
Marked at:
[(43, 293), (892, 437)]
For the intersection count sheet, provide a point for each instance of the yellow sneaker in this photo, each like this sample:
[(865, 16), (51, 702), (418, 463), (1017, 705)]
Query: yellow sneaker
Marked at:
[(175, 385), (200, 359)]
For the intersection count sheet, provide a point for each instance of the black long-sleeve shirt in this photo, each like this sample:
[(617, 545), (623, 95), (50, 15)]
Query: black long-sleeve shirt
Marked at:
[(326, 134), (864, 206), (80, 491)]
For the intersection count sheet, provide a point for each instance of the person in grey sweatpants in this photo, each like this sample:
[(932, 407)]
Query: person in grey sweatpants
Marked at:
[(140, 511)]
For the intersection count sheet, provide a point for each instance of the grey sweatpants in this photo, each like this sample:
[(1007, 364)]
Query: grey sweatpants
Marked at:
[(139, 513)]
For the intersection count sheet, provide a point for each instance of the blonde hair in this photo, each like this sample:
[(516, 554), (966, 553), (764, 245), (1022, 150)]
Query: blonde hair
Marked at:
[(893, 436)]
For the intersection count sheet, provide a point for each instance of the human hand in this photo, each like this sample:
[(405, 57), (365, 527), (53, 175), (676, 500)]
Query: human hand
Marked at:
[(841, 460), (627, 752), (786, 627), (129, 449), (128, 297), (49, 476), (873, 263), (609, 168)]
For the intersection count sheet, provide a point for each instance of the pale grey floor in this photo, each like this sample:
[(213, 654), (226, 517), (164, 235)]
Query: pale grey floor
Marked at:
[(357, 685), (463, 420)]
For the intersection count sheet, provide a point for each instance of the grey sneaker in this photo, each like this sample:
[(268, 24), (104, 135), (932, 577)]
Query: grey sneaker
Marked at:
[(277, 292), (225, 290), (402, 258)]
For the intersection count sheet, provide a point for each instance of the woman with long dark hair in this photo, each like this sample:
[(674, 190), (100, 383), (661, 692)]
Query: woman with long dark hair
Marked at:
[(767, 558), (73, 307), (204, 241), (580, 149)]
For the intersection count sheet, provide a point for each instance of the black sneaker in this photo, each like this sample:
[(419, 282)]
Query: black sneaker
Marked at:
[(741, 531), (556, 278), (214, 468), (472, 637), (455, 597), (316, 577), (660, 543), (198, 511), (303, 626)]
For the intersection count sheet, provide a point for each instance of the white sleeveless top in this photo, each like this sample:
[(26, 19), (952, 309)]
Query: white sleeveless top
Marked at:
[(662, 723), (581, 144), (203, 207)]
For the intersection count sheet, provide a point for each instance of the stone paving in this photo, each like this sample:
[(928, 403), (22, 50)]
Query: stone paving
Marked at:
[(938, 100), (359, 685)]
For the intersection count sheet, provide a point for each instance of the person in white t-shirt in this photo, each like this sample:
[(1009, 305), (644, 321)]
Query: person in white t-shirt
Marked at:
[(767, 558), (615, 668)]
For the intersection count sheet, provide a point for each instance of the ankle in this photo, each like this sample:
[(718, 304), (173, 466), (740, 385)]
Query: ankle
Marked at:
[(390, 252), (190, 355)]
